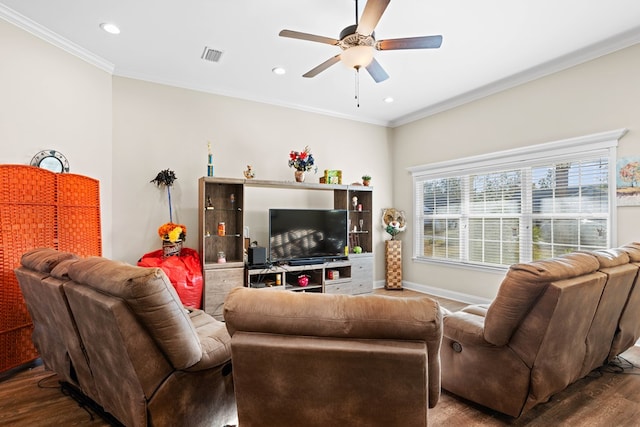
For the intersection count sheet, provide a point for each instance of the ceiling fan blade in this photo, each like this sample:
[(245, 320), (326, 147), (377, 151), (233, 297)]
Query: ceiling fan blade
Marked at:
[(320, 68), (376, 71), (371, 14), (426, 42), (310, 37)]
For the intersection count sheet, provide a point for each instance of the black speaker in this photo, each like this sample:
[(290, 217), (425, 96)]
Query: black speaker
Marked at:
[(257, 255)]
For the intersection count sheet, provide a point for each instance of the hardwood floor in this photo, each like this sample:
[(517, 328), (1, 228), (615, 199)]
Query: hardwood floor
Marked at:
[(32, 397), (609, 398)]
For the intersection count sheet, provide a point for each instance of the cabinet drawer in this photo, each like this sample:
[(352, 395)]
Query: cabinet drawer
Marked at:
[(339, 288), (217, 284), (362, 287), (362, 269)]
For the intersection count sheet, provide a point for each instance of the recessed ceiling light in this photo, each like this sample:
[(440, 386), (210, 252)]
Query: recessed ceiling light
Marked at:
[(110, 28), (388, 100), (279, 71)]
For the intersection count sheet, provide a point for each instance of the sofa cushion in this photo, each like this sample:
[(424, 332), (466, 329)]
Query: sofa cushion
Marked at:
[(523, 285), (152, 298), (44, 259), (61, 270), (611, 257), (633, 251)]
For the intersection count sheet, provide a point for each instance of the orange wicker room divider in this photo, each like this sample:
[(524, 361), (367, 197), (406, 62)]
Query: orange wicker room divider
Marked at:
[(39, 208)]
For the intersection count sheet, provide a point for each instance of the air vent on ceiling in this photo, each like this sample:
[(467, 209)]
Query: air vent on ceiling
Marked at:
[(211, 55)]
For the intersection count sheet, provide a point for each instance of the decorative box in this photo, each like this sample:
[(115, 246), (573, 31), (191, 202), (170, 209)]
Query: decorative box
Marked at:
[(333, 274), (332, 177)]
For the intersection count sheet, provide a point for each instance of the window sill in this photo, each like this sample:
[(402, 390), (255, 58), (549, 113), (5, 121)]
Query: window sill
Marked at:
[(467, 266)]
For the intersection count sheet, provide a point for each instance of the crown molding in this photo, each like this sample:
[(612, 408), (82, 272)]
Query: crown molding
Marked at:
[(49, 36), (594, 51)]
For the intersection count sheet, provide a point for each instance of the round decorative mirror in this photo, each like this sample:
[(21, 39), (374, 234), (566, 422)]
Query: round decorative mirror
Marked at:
[(51, 160)]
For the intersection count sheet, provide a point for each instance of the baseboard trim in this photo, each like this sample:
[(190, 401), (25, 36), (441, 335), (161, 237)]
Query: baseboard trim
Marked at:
[(439, 292)]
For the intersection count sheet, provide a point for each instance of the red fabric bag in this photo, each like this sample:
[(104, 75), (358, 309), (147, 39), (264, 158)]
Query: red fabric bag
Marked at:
[(184, 272)]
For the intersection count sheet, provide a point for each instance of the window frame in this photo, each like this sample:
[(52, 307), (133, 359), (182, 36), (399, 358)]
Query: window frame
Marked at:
[(602, 144)]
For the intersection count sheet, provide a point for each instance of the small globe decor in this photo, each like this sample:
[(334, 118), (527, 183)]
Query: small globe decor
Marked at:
[(303, 280)]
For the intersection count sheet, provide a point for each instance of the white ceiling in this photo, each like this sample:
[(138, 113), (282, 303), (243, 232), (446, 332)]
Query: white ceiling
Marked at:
[(488, 45)]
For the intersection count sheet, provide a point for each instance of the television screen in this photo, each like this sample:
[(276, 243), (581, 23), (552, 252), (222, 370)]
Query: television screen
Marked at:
[(307, 234)]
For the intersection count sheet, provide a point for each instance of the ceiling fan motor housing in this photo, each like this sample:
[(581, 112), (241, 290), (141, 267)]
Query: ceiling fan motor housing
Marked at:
[(350, 38)]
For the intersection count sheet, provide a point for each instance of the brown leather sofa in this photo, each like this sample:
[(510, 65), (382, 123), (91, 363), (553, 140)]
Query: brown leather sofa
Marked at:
[(305, 359), (628, 330), (552, 322), (120, 334)]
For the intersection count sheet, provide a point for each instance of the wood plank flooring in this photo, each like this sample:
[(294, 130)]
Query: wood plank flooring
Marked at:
[(31, 397)]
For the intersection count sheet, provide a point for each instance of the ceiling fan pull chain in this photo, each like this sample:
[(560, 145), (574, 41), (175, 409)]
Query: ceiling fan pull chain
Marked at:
[(357, 88)]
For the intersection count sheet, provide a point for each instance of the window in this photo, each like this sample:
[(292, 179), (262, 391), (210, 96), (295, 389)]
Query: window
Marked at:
[(516, 206)]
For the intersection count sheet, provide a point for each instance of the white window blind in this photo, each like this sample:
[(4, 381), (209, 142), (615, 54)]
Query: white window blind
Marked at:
[(517, 206)]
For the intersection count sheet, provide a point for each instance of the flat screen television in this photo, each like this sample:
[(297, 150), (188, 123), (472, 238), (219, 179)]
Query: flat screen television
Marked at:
[(307, 235)]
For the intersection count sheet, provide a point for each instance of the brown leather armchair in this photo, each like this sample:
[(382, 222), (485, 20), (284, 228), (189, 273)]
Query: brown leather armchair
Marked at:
[(319, 359), (552, 322)]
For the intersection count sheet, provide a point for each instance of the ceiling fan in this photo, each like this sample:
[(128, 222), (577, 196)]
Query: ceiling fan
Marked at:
[(358, 42)]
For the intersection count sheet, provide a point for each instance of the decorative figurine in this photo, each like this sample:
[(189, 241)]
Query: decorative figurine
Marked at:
[(209, 160), (249, 174), (393, 221)]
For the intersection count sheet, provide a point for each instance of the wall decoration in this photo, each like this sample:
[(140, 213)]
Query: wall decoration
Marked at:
[(51, 160), (628, 181)]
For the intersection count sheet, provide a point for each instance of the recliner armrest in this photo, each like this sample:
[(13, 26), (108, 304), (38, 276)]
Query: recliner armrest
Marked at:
[(465, 328)]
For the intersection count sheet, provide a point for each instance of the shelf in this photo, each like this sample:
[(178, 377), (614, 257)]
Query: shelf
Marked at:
[(212, 209), (226, 235), (303, 288), (294, 185), (287, 184), (228, 264), (336, 281), (359, 232)]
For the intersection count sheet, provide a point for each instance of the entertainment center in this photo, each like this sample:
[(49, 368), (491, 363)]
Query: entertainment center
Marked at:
[(326, 238)]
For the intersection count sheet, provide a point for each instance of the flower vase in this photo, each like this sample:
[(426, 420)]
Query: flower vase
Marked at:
[(299, 176), (170, 248)]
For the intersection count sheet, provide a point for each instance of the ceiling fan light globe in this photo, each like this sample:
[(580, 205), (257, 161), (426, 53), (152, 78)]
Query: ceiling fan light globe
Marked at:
[(357, 56)]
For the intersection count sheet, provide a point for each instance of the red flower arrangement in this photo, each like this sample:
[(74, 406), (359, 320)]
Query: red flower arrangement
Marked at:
[(301, 160)]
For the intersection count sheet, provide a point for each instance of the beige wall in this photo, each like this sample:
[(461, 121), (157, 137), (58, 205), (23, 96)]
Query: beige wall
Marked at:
[(124, 131), (597, 96), (50, 99), (157, 127)]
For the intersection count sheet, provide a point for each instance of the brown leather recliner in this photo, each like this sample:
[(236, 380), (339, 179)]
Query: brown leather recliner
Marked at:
[(552, 322), (55, 334), (304, 359), (620, 277), (628, 331), (152, 362)]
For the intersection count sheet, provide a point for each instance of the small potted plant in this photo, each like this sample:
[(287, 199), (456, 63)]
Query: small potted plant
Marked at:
[(366, 179)]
